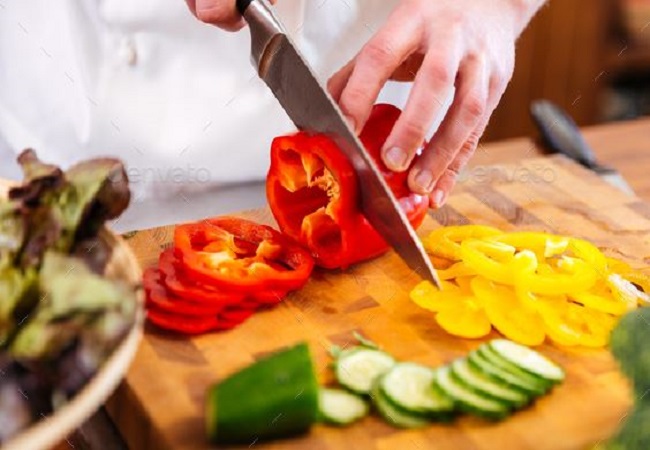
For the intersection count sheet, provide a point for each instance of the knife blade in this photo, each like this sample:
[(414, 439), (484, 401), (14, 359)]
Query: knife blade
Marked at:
[(560, 134), (311, 108)]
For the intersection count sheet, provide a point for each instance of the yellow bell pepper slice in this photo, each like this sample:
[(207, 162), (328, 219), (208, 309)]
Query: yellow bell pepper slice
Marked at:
[(465, 319), (459, 269), (589, 253), (497, 261), (507, 314), (568, 324), (602, 303), (445, 242), (626, 292), (429, 297), (617, 266), (544, 245), (574, 275)]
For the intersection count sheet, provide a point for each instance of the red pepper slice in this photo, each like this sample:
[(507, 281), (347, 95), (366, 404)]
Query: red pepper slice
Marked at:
[(313, 192), (184, 324), (177, 282), (242, 256), (158, 297)]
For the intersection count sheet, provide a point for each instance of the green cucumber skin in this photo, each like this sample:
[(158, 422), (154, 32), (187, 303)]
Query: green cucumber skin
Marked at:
[(273, 398), (441, 415), (510, 403), (478, 362), (544, 380), (392, 415), (543, 384), (469, 408), (537, 386)]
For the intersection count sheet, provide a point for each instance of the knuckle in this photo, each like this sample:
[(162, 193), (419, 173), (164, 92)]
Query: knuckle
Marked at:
[(413, 132), (378, 52), (354, 98), (441, 74), (213, 13), (473, 108)]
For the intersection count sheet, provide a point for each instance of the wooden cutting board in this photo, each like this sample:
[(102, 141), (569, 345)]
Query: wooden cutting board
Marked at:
[(160, 403)]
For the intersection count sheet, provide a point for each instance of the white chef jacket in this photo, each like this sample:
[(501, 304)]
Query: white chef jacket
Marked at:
[(143, 80)]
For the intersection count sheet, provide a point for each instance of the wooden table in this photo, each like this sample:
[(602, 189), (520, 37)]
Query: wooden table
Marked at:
[(625, 146)]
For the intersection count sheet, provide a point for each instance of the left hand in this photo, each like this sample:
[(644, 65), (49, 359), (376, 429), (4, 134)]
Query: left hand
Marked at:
[(466, 44)]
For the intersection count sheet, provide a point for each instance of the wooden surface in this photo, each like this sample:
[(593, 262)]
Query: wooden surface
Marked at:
[(160, 403), (623, 145)]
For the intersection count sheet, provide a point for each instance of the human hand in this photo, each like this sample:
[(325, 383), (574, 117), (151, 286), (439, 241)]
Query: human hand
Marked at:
[(466, 44), (222, 13)]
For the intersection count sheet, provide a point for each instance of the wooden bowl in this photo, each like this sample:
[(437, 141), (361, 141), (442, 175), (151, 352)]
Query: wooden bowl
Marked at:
[(53, 429)]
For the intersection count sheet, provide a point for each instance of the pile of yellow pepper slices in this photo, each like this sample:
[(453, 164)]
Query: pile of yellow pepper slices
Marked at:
[(529, 286)]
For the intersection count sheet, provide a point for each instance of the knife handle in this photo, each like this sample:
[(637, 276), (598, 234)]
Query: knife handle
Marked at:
[(264, 27), (242, 6), (560, 134)]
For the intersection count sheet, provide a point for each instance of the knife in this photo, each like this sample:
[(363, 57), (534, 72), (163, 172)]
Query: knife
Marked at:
[(560, 134), (310, 107)]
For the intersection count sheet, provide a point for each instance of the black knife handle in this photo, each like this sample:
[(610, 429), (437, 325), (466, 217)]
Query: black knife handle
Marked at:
[(242, 5), (560, 134)]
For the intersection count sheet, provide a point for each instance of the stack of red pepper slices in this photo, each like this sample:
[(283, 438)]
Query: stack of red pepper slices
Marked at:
[(219, 272)]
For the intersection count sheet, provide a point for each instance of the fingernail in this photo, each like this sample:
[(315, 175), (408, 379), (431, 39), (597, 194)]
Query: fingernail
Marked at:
[(439, 198), (424, 180), (395, 158)]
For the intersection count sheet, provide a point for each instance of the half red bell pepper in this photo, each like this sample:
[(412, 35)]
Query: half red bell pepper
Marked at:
[(313, 192)]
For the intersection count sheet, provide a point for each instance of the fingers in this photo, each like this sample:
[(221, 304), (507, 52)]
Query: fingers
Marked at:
[(466, 114), (337, 82), (222, 13), (373, 66), (447, 181), (433, 83)]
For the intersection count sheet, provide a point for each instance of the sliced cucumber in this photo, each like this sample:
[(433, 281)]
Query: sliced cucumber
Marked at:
[(340, 407), (527, 360), (477, 360), (541, 385), (410, 387), (468, 400), (475, 380), (358, 368), (393, 415)]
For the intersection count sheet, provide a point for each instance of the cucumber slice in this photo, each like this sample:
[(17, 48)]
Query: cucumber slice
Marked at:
[(358, 368), (473, 379), (275, 397), (393, 415), (409, 387), (477, 360), (541, 385), (340, 407), (527, 360), (468, 400)]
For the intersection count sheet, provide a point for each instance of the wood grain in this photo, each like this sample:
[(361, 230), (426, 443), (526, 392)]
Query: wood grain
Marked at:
[(160, 403)]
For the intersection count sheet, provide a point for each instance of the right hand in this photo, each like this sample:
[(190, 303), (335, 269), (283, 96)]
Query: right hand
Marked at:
[(222, 13)]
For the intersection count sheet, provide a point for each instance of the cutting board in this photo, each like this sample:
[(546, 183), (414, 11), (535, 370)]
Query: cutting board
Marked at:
[(160, 403)]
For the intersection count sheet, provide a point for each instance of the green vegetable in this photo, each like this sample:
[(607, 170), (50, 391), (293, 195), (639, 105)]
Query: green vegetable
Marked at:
[(467, 399), (629, 345), (358, 368), (410, 388), (393, 415), (275, 397), (339, 407)]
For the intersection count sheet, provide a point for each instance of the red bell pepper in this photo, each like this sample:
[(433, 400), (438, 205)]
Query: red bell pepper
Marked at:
[(313, 192), (242, 256)]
